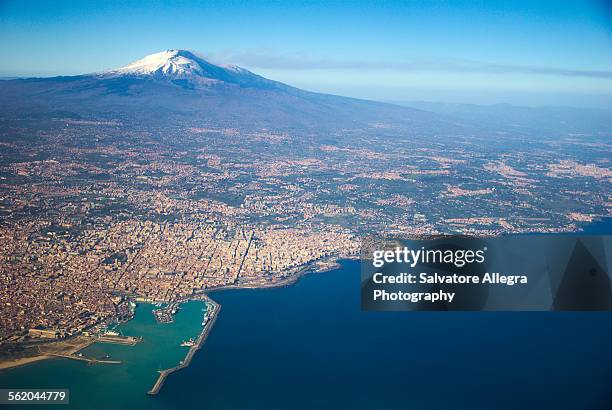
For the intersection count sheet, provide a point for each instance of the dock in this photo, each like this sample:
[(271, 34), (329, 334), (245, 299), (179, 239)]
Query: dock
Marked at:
[(163, 374)]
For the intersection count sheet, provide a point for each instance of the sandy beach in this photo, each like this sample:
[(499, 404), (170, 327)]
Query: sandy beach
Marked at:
[(8, 364)]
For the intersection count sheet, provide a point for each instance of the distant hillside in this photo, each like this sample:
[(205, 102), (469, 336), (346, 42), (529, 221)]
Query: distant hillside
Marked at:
[(524, 120)]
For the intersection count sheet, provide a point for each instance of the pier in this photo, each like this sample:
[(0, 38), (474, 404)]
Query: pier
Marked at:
[(121, 340), (84, 359), (163, 374)]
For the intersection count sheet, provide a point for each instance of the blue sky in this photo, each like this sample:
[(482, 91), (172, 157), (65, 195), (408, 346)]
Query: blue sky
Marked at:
[(520, 52)]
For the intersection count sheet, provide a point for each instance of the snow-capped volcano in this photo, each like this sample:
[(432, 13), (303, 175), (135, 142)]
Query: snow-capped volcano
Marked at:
[(185, 65), (180, 84)]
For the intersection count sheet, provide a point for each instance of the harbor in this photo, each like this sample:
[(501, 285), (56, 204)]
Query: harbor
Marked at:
[(165, 314), (158, 347), (210, 317)]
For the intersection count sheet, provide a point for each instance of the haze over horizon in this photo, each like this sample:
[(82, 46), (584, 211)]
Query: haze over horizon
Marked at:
[(465, 52)]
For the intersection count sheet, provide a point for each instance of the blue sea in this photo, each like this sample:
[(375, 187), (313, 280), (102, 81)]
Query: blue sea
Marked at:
[(309, 346)]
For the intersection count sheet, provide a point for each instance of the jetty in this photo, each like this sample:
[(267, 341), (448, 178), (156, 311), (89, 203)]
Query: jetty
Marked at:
[(84, 359), (163, 374)]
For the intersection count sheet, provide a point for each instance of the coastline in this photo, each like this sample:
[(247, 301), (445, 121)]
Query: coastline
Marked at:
[(313, 267), (318, 266)]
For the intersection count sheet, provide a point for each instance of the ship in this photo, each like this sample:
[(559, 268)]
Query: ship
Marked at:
[(188, 343)]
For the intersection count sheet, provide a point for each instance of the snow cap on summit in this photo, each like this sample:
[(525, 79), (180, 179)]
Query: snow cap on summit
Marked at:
[(184, 65), (169, 62)]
